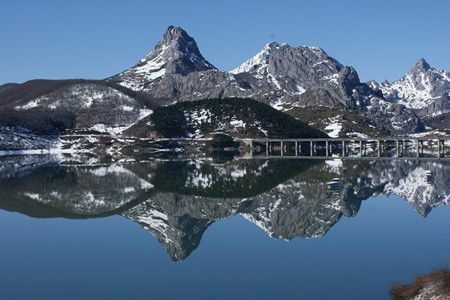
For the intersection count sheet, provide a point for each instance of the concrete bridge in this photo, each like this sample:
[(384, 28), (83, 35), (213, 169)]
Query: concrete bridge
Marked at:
[(385, 147)]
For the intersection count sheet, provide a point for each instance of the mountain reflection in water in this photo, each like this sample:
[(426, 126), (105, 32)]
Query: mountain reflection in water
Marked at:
[(176, 201)]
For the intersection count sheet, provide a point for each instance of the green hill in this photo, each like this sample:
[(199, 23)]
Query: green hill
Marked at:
[(234, 116)]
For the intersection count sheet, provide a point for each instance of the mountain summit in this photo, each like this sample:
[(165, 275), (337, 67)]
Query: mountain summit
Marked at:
[(176, 53), (304, 76), (424, 89), (258, 63), (420, 66)]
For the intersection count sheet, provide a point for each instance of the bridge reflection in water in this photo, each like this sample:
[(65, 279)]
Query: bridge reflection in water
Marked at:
[(389, 147)]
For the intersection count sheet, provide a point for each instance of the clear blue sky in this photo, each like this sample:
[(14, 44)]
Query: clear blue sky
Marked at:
[(96, 39)]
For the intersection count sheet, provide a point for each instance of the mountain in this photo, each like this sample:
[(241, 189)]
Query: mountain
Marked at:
[(419, 88), (29, 90), (234, 116), (75, 105), (300, 76), (424, 89), (176, 71), (296, 79), (176, 53), (304, 82)]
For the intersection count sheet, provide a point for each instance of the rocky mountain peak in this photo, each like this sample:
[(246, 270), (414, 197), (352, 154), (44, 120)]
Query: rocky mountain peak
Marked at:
[(175, 53), (301, 76), (174, 33), (385, 82), (258, 62), (424, 89), (180, 53), (420, 66), (176, 41)]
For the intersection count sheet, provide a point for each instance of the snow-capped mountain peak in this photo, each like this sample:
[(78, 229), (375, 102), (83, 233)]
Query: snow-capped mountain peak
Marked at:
[(175, 53), (420, 88), (259, 62), (176, 44), (420, 66)]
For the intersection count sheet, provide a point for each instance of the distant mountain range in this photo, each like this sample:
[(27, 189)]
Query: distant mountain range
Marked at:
[(303, 81)]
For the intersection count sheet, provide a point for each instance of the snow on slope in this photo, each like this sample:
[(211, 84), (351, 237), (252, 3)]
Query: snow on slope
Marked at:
[(79, 96), (420, 87), (293, 69), (258, 63), (176, 53), (148, 69), (95, 107), (334, 127), (417, 190)]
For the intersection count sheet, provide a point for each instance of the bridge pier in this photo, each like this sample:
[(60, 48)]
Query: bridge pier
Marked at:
[(443, 148), (397, 147), (417, 149), (349, 147), (378, 148), (440, 148), (360, 148)]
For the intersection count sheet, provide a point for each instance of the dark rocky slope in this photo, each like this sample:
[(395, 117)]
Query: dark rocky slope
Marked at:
[(236, 117)]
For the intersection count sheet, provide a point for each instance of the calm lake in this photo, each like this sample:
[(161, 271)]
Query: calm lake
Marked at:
[(218, 228)]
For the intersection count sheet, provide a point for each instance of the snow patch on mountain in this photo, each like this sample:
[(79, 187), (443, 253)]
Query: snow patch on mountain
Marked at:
[(117, 130), (334, 127), (78, 96), (258, 64), (417, 189), (176, 53), (147, 70), (419, 88)]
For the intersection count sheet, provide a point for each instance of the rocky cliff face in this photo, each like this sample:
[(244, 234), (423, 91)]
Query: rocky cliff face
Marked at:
[(425, 90), (299, 76), (419, 88), (176, 53)]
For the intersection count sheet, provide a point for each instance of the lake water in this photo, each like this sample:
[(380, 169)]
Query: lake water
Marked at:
[(209, 229)]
